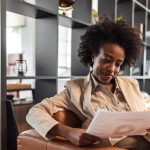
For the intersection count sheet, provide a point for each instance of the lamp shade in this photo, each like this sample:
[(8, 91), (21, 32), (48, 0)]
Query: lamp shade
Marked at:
[(15, 20), (66, 5)]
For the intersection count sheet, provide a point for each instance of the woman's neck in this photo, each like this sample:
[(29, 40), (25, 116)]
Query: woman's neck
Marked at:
[(111, 85)]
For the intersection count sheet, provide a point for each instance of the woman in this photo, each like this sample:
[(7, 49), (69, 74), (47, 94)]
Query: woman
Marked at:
[(108, 47)]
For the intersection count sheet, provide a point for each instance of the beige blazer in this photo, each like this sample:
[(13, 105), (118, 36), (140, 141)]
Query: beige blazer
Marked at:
[(77, 97)]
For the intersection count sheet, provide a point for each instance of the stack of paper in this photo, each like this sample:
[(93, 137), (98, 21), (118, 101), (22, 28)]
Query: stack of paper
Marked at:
[(115, 124)]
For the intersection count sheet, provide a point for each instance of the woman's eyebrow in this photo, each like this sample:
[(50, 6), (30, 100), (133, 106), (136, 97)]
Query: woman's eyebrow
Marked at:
[(111, 57), (107, 55)]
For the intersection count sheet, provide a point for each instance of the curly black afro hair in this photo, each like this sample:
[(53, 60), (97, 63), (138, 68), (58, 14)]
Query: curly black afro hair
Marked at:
[(108, 31)]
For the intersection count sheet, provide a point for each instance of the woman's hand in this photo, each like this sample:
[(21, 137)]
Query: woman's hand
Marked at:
[(148, 130), (80, 138), (76, 136)]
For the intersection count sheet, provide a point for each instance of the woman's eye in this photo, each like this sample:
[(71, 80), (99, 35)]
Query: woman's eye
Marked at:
[(118, 65)]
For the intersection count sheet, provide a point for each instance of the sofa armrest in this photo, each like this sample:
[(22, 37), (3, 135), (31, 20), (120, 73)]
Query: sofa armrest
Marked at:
[(68, 118), (31, 140)]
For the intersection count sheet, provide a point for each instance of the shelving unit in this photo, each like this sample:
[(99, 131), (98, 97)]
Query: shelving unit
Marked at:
[(47, 20), (136, 13)]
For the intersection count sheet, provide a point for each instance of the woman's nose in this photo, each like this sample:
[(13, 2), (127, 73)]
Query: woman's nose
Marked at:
[(112, 67)]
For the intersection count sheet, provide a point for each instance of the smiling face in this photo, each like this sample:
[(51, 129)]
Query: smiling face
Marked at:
[(106, 65)]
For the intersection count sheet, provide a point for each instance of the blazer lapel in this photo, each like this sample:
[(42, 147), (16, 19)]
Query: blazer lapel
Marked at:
[(87, 88), (131, 94)]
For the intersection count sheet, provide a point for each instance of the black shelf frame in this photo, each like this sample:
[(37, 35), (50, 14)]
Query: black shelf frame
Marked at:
[(47, 20)]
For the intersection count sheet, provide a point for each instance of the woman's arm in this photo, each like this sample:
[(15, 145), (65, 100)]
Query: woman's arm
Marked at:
[(76, 136), (40, 116)]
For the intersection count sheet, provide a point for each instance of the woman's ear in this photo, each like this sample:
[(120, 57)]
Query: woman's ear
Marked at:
[(120, 72), (93, 56)]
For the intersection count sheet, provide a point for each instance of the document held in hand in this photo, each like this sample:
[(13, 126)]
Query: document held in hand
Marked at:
[(115, 124)]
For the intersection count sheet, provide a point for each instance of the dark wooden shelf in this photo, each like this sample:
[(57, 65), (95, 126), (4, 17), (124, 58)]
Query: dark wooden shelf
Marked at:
[(31, 77), (41, 77), (79, 24), (123, 1), (72, 23), (26, 89), (17, 77), (27, 9)]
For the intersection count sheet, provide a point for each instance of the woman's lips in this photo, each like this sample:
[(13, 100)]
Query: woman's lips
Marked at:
[(106, 76)]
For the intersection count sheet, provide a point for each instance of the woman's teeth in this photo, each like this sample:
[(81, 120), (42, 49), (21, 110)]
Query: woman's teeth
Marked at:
[(106, 74)]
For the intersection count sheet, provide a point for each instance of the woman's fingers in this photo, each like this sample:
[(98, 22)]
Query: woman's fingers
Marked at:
[(85, 142), (87, 139), (91, 137), (148, 130), (79, 137)]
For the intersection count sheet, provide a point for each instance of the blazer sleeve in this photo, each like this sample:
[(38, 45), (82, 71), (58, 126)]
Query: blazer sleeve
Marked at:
[(146, 136), (40, 115), (140, 93)]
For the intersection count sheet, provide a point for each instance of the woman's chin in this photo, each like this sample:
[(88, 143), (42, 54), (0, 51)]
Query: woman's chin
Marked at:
[(108, 82), (105, 81)]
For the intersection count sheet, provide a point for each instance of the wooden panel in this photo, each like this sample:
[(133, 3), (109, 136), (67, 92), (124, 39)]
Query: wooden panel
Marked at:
[(45, 88), (20, 112), (78, 12), (46, 46), (77, 69), (107, 7)]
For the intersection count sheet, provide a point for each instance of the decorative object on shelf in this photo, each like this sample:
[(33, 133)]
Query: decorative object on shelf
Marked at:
[(15, 20), (119, 19), (95, 16), (14, 92), (66, 5), (20, 67)]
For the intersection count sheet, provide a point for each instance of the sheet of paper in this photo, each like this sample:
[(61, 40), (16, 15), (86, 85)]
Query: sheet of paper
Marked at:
[(115, 124)]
